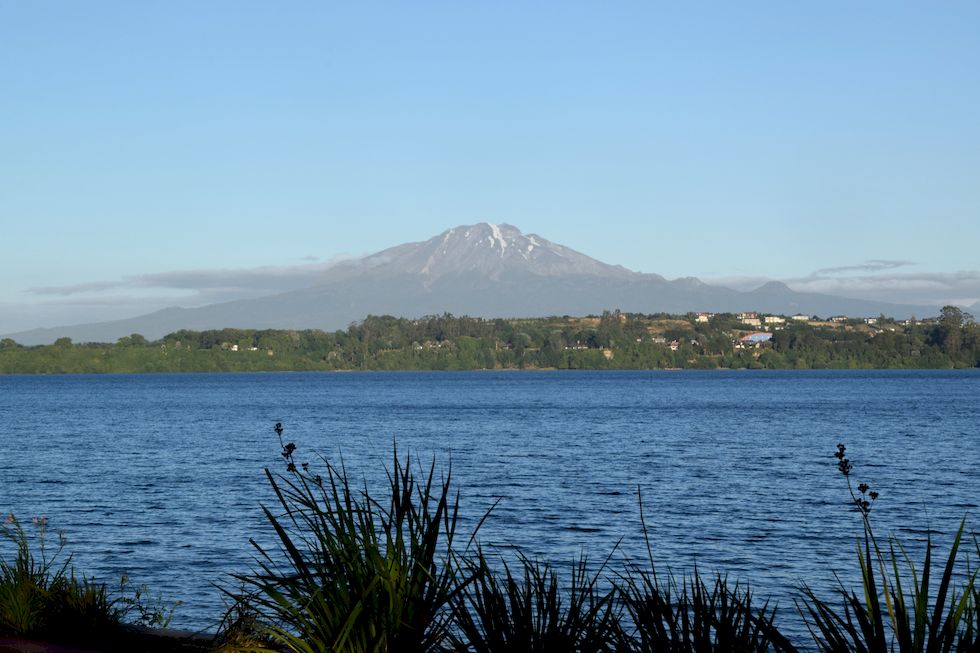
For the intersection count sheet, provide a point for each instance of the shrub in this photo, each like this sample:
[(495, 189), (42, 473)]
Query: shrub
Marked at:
[(689, 616), (896, 611), (40, 597), (352, 573), (526, 612)]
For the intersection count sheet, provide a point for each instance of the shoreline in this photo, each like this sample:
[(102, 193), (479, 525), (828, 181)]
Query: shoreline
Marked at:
[(562, 370)]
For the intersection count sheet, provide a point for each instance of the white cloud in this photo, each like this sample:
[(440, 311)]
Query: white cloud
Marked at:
[(212, 283), (873, 265), (23, 316), (98, 301), (934, 288), (879, 282)]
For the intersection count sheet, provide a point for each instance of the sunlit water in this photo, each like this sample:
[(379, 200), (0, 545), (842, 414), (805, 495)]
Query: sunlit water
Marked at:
[(161, 476)]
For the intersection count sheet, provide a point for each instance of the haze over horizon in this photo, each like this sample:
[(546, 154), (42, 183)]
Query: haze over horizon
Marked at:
[(174, 155)]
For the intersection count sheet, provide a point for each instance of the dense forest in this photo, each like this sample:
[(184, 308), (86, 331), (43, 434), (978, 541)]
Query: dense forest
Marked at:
[(613, 340)]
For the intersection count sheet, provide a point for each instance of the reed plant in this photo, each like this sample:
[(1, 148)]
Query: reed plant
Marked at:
[(137, 605), (896, 610), (239, 629), (40, 596), (352, 573), (528, 611), (691, 616)]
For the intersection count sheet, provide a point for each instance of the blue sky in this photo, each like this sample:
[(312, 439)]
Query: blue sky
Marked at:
[(835, 146)]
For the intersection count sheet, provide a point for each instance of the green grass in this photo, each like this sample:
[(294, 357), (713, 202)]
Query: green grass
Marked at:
[(689, 616), (529, 611), (40, 596), (896, 609), (355, 573)]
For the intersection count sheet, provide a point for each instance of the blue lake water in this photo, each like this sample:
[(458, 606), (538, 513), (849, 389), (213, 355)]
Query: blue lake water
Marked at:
[(161, 476)]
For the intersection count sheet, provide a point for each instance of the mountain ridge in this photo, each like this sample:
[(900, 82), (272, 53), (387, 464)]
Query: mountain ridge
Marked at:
[(483, 270)]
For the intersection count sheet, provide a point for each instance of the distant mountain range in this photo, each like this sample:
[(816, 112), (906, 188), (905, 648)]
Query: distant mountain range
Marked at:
[(482, 270)]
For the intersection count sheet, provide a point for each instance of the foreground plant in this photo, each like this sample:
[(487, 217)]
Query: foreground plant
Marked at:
[(896, 611), (528, 612), (240, 629), (690, 615), (40, 596), (136, 605), (693, 616), (355, 573)]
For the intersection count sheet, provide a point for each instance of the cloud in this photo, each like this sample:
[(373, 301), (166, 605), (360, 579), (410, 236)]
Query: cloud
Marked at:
[(876, 280), (129, 296), (20, 316), (74, 289), (874, 265), (207, 283), (935, 288)]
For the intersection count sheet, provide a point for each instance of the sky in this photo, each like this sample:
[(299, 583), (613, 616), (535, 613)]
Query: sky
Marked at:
[(156, 154)]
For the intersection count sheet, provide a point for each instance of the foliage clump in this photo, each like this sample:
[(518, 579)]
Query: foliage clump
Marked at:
[(896, 609), (40, 596), (356, 572)]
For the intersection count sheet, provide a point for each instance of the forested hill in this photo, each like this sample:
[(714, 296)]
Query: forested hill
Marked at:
[(612, 341)]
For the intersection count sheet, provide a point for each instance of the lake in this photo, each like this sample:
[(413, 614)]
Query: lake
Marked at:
[(161, 476)]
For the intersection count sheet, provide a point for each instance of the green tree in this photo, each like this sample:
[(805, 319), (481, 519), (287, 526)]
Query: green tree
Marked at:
[(133, 340), (951, 321)]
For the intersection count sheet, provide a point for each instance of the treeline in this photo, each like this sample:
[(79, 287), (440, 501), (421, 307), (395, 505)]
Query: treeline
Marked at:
[(613, 340)]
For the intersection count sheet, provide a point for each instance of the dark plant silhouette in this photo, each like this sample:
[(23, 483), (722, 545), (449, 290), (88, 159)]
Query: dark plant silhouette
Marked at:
[(355, 572), (527, 611), (40, 595), (691, 616), (896, 611)]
